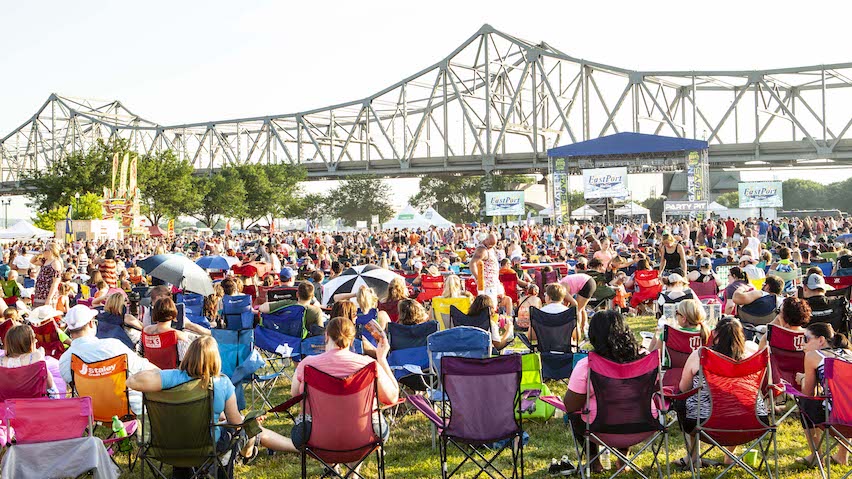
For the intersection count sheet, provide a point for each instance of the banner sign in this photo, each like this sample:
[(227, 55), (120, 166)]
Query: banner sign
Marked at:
[(761, 194), (171, 228), (675, 207), (694, 177), (605, 183), (360, 224), (504, 203), (560, 190)]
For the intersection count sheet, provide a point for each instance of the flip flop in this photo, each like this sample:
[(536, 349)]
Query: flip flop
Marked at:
[(805, 462)]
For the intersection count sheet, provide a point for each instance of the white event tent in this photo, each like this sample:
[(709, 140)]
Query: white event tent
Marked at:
[(633, 209), (408, 218), (436, 219), (585, 212), (24, 230)]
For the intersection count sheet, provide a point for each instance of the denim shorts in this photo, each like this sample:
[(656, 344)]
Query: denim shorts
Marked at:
[(302, 431)]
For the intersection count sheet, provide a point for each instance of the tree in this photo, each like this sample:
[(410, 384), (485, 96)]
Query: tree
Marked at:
[(655, 205), (358, 198), (286, 195), (460, 199), (165, 185), (223, 195), (840, 193), (88, 207), (730, 199), (46, 220), (804, 195), (82, 173), (312, 206)]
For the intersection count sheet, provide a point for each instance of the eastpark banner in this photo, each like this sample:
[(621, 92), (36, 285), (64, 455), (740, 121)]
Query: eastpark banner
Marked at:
[(504, 203), (605, 183), (761, 194)]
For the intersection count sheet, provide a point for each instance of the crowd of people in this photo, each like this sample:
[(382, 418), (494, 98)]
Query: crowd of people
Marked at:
[(610, 270)]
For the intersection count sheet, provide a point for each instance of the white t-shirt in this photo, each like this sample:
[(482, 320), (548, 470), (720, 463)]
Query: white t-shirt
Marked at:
[(554, 308), (753, 247)]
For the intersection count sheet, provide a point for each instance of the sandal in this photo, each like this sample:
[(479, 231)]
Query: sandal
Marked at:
[(250, 451), (806, 462), (682, 464)]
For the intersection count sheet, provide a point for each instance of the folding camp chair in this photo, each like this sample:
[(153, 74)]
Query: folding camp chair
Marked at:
[(25, 382), (786, 357), (391, 309), (408, 357), (734, 388), (441, 309), (237, 312), (482, 321), (430, 287), (707, 291), (836, 420), (340, 404), (180, 431), (648, 288), (109, 329), (105, 382), (43, 427), (625, 393), (5, 326), (677, 346), (161, 349), (838, 282), (825, 267), (278, 336), (833, 310), (483, 408), (281, 293), (759, 312), (554, 333), (510, 285), (239, 360), (47, 337), (194, 303)]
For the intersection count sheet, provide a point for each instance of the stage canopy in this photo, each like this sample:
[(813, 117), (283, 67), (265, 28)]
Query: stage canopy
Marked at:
[(622, 144)]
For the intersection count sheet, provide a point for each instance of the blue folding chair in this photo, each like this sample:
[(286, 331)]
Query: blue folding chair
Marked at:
[(278, 337), (408, 353), (458, 318), (316, 345), (194, 304), (239, 360), (237, 312)]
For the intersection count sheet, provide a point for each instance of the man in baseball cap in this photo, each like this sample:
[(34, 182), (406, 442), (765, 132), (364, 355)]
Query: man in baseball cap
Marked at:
[(83, 327), (815, 286)]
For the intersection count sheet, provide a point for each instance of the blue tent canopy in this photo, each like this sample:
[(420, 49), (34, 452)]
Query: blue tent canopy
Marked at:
[(627, 144)]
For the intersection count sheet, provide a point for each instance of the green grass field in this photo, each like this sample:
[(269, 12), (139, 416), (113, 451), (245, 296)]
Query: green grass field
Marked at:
[(409, 452)]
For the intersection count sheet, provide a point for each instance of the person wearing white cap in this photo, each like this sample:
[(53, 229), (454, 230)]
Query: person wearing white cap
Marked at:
[(814, 286), (676, 291), (82, 326), (748, 265)]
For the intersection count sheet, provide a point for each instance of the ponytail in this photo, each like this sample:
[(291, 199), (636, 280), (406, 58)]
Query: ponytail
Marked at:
[(840, 341)]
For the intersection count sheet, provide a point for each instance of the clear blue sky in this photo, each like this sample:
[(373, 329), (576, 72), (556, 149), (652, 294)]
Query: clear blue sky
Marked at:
[(190, 60)]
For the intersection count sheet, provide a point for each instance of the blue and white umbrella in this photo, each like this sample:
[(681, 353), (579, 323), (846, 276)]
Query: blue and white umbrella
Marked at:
[(353, 278), (180, 271), (219, 262)]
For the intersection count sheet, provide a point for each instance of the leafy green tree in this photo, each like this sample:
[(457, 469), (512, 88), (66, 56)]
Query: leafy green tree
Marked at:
[(82, 173), (88, 207), (655, 205), (461, 199), (730, 199), (223, 195), (272, 191), (804, 194), (46, 220), (286, 195), (358, 197), (165, 185), (313, 206), (840, 193)]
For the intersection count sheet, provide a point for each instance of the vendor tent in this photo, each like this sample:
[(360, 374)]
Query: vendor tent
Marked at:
[(24, 230), (436, 219), (633, 209), (585, 212), (717, 208), (408, 218), (156, 231)]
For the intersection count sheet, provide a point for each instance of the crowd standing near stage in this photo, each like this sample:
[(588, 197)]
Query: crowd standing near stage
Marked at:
[(626, 268)]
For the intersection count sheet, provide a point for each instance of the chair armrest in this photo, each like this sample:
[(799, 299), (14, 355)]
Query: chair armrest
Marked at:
[(421, 404), (791, 390), (524, 339), (288, 404), (672, 395), (395, 403), (129, 427), (554, 401)]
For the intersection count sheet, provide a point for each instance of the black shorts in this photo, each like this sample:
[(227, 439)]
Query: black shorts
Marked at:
[(813, 412), (588, 289)]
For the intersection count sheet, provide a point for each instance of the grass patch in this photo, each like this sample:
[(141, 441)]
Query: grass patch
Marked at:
[(409, 452)]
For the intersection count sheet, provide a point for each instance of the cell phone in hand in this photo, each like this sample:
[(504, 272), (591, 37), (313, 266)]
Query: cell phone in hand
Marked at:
[(375, 330)]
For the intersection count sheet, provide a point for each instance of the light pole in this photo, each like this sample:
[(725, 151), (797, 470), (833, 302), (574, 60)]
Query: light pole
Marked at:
[(76, 201), (6, 202)]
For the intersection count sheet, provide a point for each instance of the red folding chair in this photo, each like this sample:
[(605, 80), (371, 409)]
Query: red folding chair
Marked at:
[(838, 282), (28, 381), (339, 404), (706, 292), (470, 286), (510, 285), (161, 349), (5, 326), (47, 337), (734, 388), (430, 287), (648, 287), (677, 346), (786, 357)]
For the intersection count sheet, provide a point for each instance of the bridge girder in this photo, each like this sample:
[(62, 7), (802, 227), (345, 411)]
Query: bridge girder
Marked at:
[(495, 103)]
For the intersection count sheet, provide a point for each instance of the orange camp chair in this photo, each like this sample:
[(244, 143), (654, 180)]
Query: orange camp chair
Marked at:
[(105, 382)]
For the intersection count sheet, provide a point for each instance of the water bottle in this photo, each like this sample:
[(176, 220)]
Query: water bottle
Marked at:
[(120, 432), (606, 460)]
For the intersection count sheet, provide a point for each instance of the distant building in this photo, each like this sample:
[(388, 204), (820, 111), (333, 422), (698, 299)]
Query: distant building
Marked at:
[(721, 182)]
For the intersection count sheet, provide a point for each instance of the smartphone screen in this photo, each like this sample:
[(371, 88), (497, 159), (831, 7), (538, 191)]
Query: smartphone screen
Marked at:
[(375, 330)]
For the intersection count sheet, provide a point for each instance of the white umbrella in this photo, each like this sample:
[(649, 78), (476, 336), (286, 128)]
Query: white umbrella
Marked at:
[(353, 278), (178, 270)]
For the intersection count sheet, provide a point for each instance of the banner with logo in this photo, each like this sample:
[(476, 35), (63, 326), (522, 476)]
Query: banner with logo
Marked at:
[(504, 203), (171, 228), (761, 194), (560, 191), (605, 183)]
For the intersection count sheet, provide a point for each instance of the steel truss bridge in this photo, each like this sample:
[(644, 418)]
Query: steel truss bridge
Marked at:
[(494, 104)]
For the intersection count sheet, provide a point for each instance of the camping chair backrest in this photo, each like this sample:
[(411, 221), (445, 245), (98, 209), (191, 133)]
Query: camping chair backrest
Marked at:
[(194, 303), (548, 278), (484, 395), (838, 378), (280, 293), (234, 348), (510, 285), (441, 307), (161, 349), (481, 321), (109, 330), (282, 332), (47, 420), (704, 290), (391, 308), (554, 331), (625, 391), (677, 346), (787, 356), (838, 282), (430, 287), (237, 312), (825, 267), (5, 326), (47, 337), (180, 422), (759, 312), (28, 381), (734, 387), (341, 404), (408, 346), (361, 319), (462, 341), (834, 311), (105, 382)]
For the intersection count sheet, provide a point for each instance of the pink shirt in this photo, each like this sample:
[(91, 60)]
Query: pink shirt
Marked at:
[(577, 383), (341, 363), (575, 282)]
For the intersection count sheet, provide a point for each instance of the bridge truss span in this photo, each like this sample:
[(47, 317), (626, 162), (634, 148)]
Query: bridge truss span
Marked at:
[(495, 103)]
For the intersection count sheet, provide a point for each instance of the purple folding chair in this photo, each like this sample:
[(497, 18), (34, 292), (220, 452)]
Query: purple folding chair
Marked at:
[(484, 409)]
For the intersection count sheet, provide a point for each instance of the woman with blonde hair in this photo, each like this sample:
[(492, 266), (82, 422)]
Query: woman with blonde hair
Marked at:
[(411, 312), (397, 291), (453, 288), (690, 317), (202, 362), (49, 276), (115, 312), (367, 302)]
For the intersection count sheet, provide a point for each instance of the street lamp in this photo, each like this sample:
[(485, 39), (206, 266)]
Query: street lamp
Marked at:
[(6, 203), (76, 202)]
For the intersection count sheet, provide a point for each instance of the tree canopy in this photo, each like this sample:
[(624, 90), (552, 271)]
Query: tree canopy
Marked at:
[(165, 185), (357, 198)]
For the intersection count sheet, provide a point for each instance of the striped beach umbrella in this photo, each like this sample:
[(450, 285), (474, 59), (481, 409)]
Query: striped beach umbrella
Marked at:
[(353, 278)]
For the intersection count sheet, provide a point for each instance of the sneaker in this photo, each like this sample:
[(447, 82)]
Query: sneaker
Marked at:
[(561, 468)]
